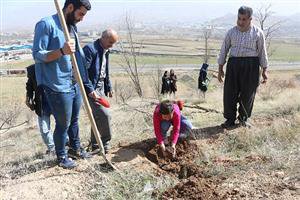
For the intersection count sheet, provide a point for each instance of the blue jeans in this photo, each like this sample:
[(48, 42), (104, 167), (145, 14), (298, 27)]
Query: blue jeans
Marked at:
[(65, 107), (185, 127), (44, 125)]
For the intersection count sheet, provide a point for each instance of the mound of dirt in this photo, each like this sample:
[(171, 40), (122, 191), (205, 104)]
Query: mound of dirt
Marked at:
[(193, 188), (193, 184), (182, 165)]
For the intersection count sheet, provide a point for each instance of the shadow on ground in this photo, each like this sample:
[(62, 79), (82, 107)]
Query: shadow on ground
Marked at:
[(212, 132), (129, 152)]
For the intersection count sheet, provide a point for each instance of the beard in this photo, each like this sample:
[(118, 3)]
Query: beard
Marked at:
[(70, 19)]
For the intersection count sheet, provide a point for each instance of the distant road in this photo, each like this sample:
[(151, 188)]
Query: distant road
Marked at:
[(178, 67), (188, 67)]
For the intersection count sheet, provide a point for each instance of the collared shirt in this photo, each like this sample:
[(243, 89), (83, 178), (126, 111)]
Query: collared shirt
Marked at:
[(102, 75), (250, 43), (57, 74), (103, 65)]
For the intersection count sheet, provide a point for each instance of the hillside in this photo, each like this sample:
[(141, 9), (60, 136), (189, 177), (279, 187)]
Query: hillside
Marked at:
[(261, 162)]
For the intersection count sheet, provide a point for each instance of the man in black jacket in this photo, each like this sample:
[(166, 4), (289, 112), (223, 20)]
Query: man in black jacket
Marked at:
[(36, 101), (97, 57)]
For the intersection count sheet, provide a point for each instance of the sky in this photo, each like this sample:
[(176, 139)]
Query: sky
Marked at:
[(23, 14)]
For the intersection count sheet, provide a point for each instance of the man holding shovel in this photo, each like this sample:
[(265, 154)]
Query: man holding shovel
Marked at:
[(55, 74), (97, 57)]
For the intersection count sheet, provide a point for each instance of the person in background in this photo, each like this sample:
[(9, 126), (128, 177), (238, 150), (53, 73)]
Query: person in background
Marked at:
[(165, 87), (173, 84), (35, 100)]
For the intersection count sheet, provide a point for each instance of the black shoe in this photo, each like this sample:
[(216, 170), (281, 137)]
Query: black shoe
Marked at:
[(228, 124), (245, 124), (78, 154), (96, 150)]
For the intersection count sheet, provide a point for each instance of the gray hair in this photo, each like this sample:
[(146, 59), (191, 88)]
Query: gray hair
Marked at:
[(246, 10), (108, 33)]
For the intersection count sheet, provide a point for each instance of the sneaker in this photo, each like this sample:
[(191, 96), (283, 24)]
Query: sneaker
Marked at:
[(66, 163), (78, 154), (245, 124), (228, 124)]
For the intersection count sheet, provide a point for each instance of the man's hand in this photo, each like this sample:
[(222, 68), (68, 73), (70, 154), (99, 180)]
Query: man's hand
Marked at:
[(221, 74), (29, 103), (264, 75), (69, 47), (94, 95), (110, 94)]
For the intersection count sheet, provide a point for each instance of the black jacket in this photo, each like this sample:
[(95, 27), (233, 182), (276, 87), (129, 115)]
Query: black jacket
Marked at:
[(173, 85), (33, 91), (165, 87)]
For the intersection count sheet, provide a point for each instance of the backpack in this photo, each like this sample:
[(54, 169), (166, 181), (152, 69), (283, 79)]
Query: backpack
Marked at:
[(203, 80)]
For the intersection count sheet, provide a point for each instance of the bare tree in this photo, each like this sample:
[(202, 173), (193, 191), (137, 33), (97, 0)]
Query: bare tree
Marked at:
[(130, 55), (207, 32), (8, 117), (263, 16), (156, 81), (123, 92)]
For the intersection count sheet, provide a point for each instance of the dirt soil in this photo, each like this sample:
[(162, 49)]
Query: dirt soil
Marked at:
[(196, 183), (193, 184), (193, 180)]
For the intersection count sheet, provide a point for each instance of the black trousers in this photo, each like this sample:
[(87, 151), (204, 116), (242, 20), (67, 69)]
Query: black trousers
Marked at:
[(241, 82)]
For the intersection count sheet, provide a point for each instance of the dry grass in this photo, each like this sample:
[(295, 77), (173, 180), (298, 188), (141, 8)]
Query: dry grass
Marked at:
[(248, 158), (275, 87), (128, 185)]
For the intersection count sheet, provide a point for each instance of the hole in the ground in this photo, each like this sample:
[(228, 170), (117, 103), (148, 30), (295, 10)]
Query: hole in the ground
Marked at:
[(194, 184), (182, 165)]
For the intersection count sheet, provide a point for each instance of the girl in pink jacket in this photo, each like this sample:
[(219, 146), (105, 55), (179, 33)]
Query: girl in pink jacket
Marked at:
[(167, 113)]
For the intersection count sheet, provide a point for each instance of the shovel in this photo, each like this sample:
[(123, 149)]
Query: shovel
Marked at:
[(79, 80)]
